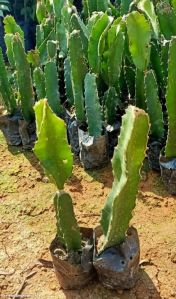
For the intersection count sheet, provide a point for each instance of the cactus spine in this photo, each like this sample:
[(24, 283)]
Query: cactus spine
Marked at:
[(23, 78), (67, 226), (154, 107), (93, 108), (126, 163), (170, 149), (5, 88), (78, 73)]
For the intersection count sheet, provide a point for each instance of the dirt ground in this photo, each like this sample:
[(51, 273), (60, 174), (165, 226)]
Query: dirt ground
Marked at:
[(27, 226)]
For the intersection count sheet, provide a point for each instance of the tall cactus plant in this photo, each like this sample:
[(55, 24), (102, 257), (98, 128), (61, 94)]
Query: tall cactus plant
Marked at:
[(78, 73), (24, 78), (126, 163), (55, 155)]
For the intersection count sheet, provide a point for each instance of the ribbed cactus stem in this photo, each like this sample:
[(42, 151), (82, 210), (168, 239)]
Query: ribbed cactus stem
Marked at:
[(5, 88), (78, 73), (154, 107), (139, 34), (24, 79), (39, 82), (68, 228), (126, 164), (52, 87), (93, 108), (170, 149)]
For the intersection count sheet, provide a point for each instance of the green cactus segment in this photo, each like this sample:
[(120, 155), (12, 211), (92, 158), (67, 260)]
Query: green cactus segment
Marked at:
[(78, 73), (68, 82), (6, 91), (93, 48), (93, 108), (125, 6), (40, 11), (148, 8), (8, 38), (167, 19), (39, 82), (112, 101), (139, 90), (57, 8), (130, 80), (77, 24), (39, 35), (24, 79), (89, 7), (173, 2), (126, 163), (157, 65), (52, 148), (102, 5), (92, 20), (51, 49), (154, 107), (139, 34), (170, 149), (164, 58), (52, 87), (11, 27), (115, 59), (61, 37), (68, 228)]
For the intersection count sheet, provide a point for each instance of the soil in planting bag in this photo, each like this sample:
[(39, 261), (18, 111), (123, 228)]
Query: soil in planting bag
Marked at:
[(112, 132), (27, 133), (74, 270), (118, 266), (168, 173), (10, 128), (93, 151), (153, 152)]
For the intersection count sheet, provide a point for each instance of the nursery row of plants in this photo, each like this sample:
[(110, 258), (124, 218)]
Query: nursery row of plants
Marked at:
[(107, 69)]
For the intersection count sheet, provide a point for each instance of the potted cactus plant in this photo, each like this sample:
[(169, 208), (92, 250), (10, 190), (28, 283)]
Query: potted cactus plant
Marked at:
[(17, 90), (117, 250), (168, 157), (72, 249)]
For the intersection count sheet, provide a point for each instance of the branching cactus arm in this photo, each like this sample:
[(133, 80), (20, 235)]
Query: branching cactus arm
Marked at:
[(126, 163), (52, 148), (167, 19), (68, 229), (170, 149)]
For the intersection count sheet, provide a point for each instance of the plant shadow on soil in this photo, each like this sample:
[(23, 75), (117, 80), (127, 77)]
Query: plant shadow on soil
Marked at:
[(144, 288), (29, 155)]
